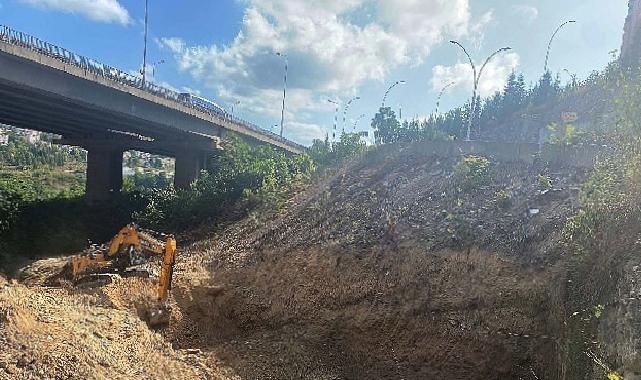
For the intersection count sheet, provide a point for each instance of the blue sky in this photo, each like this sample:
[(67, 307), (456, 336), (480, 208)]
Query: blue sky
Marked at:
[(337, 49)]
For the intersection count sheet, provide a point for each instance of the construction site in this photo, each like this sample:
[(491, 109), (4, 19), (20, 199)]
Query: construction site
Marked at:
[(383, 269), (497, 240)]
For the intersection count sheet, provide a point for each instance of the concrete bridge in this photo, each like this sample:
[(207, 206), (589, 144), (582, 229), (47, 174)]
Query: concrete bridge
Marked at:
[(107, 111)]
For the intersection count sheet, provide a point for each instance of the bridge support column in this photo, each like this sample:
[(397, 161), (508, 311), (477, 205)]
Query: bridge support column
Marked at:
[(104, 173), (188, 167)]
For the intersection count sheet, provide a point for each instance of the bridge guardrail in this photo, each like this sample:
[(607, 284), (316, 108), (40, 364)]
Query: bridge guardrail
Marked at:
[(17, 38)]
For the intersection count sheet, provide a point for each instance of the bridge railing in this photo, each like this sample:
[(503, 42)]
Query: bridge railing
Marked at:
[(17, 38)]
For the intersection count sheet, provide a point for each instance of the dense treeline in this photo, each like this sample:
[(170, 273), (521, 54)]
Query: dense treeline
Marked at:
[(504, 107)]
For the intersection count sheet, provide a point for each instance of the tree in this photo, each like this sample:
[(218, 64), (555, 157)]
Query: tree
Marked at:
[(546, 90), (386, 126), (513, 95)]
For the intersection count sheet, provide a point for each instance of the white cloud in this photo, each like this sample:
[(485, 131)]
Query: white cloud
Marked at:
[(305, 133), (424, 23), (493, 79), (477, 30), (109, 11), (329, 55), (526, 12)]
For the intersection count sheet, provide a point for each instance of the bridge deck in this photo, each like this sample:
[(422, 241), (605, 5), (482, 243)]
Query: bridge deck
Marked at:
[(47, 88)]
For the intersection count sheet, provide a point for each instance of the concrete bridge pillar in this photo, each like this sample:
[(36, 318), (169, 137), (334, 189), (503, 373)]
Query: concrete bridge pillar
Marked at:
[(104, 173), (189, 163)]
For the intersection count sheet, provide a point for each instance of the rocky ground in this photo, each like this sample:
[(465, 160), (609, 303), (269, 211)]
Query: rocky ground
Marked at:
[(385, 269), (54, 334)]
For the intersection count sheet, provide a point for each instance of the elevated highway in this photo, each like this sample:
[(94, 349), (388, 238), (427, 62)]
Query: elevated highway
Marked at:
[(47, 88)]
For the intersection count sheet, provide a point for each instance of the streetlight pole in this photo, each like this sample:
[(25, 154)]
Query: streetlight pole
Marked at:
[(237, 102), (282, 113), (573, 76), (390, 89), (440, 95), (337, 104), (547, 55), (144, 53), (346, 108), (358, 120), (477, 78), (153, 67)]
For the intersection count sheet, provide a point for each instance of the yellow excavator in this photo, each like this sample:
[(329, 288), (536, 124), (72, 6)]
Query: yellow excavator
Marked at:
[(131, 247)]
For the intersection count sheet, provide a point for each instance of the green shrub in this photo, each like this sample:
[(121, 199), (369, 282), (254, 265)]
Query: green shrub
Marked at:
[(545, 182), (608, 200), (324, 153), (239, 174), (472, 172), (503, 199)]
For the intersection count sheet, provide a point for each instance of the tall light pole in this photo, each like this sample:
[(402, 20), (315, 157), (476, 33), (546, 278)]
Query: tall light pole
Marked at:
[(390, 89), (234, 104), (337, 104), (573, 76), (477, 78), (153, 67), (346, 108), (282, 112), (358, 120), (440, 95), (144, 53), (547, 55)]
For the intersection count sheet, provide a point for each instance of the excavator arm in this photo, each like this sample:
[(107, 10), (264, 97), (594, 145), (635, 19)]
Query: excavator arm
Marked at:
[(128, 248), (167, 269)]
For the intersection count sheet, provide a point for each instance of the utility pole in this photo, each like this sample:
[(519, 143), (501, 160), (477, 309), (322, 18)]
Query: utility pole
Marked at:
[(547, 55), (282, 112), (477, 78), (144, 53)]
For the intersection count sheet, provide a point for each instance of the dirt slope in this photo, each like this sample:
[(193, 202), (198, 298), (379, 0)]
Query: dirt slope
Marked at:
[(386, 270)]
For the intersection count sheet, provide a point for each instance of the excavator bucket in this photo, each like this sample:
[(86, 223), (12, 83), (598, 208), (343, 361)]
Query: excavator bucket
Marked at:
[(156, 316)]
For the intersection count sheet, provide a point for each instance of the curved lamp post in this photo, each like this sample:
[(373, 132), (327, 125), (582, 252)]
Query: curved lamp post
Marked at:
[(547, 55), (347, 105), (440, 95), (234, 104), (358, 120), (337, 104), (390, 89), (477, 78), (572, 76), (153, 67)]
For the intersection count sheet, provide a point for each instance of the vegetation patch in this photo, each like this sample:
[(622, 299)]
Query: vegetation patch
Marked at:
[(472, 172)]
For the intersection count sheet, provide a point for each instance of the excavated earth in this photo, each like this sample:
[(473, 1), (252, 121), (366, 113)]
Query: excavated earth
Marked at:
[(384, 269)]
